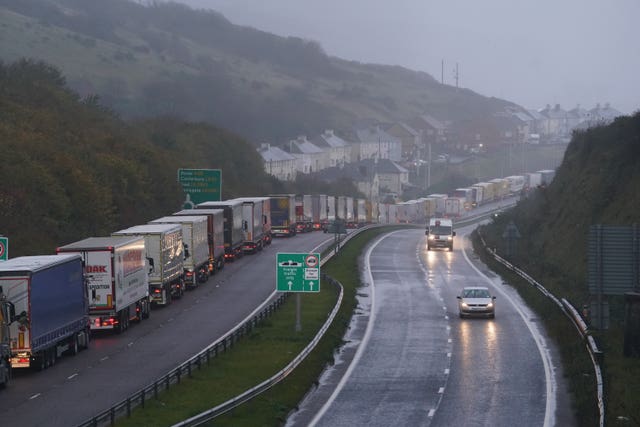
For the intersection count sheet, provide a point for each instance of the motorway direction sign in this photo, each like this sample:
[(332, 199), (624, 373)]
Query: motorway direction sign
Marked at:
[(4, 248), (298, 272), (200, 185)]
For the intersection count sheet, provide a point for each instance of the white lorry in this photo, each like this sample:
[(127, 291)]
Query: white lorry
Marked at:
[(196, 246), (164, 255), (116, 278), (253, 223)]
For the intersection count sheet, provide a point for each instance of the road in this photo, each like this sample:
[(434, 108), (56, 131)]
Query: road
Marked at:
[(116, 366), (411, 361)]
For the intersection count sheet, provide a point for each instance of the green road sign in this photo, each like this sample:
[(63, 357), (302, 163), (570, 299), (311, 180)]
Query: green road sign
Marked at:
[(298, 272), (4, 248), (200, 185)]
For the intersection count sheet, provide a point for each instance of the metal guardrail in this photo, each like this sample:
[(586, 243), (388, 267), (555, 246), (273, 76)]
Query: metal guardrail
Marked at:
[(279, 376), (151, 391), (573, 315)]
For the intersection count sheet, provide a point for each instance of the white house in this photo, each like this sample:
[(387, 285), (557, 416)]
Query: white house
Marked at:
[(311, 158), (338, 149), (278, 162), (373, 142)]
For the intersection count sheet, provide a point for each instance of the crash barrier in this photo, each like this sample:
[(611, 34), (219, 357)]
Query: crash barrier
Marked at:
[(279, 376), (573, 315), (203, 358)]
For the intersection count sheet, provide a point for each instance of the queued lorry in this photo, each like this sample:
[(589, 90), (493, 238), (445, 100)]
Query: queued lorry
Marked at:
[(215, 235), (303, 213), (49, 297), (254, 223), (319, 211), (195, 246), (360, 212), (163, 243), (283, 215), (7, 315), (233, 227), (116, 280)]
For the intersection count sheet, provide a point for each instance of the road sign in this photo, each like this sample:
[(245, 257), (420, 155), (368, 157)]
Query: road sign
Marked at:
[(4, 248), (298, 272), (200, 185)]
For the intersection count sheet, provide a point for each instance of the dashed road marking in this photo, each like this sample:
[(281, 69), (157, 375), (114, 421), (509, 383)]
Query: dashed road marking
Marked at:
[(35, 396)]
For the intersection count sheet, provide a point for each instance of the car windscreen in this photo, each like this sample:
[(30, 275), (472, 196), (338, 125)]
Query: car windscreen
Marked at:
[(440, 230), (476, 293)]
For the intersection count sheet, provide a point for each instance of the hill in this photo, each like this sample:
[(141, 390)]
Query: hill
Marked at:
[(167, 59), (72, 169), (597, 183)]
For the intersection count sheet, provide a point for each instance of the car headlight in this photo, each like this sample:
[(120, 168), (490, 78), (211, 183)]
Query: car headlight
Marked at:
[(464, 304), (450, 238), (490, 305), (431, 237)]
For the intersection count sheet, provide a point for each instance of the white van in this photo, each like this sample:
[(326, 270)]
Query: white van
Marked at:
[(440, 233)]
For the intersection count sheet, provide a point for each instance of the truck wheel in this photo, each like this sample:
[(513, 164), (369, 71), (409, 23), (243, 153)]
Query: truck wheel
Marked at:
[(39, 362), (73, 345)]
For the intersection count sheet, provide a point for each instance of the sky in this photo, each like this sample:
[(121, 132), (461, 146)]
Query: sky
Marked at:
[(533, 53)]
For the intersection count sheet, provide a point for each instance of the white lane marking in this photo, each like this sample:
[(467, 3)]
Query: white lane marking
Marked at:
[(449, 340), (431, 413), (130, 344), (449, 355), (550, 409), (441, 390), (72, 376), (446, 317), (35, 396), (365, 338), (170, 319), (446, 371), (104, 358)]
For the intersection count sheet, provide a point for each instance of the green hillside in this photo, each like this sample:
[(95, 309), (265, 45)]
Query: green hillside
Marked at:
[(598, 182), (167, 59)]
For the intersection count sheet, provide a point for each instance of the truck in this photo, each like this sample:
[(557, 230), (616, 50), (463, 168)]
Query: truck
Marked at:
[(49, 297), (319, 210), (360, 212), (439, 198), (195, 244), (440, 233), (163, 243), (350, 216), (533, 180), (254, 220), (341, 208), (215, 235), (303, 213), (116, 279), (454, 206), (546, 176), (516, 184), (283, 215), (331, 211), (233, 227), (7, 315)]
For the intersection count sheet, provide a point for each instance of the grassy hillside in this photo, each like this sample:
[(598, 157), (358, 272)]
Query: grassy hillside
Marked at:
[(168, 59), (72, 169), (597, 183)]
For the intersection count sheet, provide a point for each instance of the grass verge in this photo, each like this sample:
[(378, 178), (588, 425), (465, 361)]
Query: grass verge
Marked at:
[(577, 366), (269, 348)]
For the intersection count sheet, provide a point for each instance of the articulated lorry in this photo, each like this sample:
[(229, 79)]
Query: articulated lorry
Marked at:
[(116, 279), (233, 227), (196, 246), (319, 209), (49, 296), (255, 223), (7, 314), (215, 235), (283, 215), (163, 243)]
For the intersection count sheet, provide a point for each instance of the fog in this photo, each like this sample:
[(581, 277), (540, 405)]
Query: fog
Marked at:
[(533, 53)]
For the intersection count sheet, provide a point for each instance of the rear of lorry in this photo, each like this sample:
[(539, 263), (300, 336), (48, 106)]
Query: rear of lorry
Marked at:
[(116, 280), (165, 257), (49, 296), (283, 215), (196, 246)]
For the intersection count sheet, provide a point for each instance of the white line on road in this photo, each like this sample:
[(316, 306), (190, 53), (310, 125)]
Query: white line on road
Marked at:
[(446, 371), (35, 396), (441, 390), (104, 358), (72, 376), (431, 413)]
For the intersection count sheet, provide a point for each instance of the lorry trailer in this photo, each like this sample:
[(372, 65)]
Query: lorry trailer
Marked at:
[(116, 280), (233, 227), (49, 296)]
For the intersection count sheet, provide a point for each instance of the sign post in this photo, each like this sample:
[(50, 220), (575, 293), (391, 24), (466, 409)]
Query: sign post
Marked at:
[(200, 185), (299, 273), (4, 248)]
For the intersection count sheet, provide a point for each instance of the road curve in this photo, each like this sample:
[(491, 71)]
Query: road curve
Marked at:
[(417, 363)]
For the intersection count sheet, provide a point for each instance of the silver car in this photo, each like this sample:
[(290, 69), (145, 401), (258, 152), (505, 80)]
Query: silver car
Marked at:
[(476, 301)]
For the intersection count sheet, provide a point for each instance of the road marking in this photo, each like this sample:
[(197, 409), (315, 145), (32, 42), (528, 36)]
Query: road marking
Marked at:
[(449, 340), (431, 413), (72, 376), (130, 344), (550, 381), (446, 317), (449, 355), (446, 371), (170, 319), (441, 390), (104, 358), (365, 338), (35, 396)]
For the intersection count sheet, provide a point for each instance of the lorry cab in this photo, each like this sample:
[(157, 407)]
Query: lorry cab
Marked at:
[(440, 233)]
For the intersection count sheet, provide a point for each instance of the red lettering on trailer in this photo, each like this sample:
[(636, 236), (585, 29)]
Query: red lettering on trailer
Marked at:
[(96, 269)]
